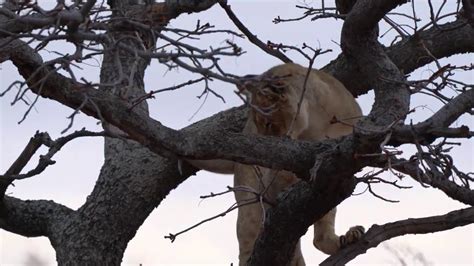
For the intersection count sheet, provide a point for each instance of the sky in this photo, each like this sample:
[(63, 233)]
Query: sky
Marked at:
[(72, 178)]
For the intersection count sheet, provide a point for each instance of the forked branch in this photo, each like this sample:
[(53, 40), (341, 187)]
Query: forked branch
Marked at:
[(13, 173)]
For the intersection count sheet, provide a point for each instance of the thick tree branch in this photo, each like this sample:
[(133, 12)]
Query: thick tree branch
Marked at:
[(189, 6), (26, 23), (277, 153), (31, 218), (409, 54), (379, 233), (359, 43)]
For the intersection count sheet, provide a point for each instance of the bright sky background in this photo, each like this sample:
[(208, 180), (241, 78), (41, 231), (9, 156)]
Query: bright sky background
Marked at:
[(72, 178)]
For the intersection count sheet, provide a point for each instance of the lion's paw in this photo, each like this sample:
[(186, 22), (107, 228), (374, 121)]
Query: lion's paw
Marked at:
[(353, 235)]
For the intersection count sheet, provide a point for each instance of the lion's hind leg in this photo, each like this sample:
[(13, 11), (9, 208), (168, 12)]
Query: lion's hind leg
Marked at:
[(353, 235), (325, 238)]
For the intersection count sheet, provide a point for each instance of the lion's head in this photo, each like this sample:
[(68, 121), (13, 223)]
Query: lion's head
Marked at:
[(274, 97)]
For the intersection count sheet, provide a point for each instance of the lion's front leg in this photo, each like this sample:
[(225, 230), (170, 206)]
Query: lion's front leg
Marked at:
[(249, 216), (248, 226), (325, 238), (248, 184)]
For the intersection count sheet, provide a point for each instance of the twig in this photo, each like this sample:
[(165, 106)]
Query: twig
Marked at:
[(151, 94), (234, 206), (252, 38), (45, 160)]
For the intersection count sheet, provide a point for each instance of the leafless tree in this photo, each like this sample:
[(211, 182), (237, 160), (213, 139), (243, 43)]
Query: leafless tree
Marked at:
[(144, 160)]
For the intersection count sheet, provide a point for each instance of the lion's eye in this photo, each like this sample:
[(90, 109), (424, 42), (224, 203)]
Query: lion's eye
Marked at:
[(276, 88)]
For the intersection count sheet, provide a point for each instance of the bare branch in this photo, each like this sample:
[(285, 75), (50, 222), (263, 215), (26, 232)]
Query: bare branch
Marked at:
[(253, 38), (379, 233), (172, 237), (432, 178), (437, 125), (13, 173)]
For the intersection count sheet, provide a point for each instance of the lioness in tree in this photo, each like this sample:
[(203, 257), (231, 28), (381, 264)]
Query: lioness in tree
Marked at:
[(274, 97)]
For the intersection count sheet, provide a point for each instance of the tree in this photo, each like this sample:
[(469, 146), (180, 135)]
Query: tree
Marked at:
[(145, 160)]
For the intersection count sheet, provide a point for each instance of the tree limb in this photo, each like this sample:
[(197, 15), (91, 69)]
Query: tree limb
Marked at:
[(408, 54), (251, 37), (437, 180), (13, 173), (359, 43), (426, 132), (30, 149), (379, 233), (31, 218)]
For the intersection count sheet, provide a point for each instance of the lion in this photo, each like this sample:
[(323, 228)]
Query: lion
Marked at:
[(288, 100)]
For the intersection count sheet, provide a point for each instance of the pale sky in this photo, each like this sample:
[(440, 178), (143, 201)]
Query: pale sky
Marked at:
[(72, 178)]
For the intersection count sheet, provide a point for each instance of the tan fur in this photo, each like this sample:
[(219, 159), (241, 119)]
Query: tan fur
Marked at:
[(274, 96)]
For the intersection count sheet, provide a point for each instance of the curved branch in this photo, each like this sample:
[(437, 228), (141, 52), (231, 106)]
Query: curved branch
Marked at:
[(379, 233), (27, 23), (359, 43), (442, 41), (365, 14)]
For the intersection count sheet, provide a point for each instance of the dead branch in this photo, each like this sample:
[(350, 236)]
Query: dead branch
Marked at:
[(251, 37), (314, 13), (434, 179), (13, 173), (172, 237)]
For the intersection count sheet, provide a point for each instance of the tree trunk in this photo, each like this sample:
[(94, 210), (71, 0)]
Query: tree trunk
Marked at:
[(129, 186)]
